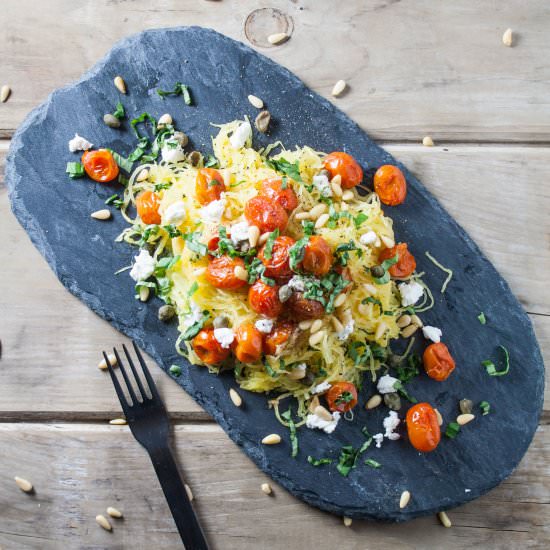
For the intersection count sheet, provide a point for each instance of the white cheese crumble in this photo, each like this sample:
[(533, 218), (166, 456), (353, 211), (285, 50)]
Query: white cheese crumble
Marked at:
[(172, 151), (467, 490), (432, 333), (224, 336), (348, 329), (297, 283), (241, 135), (264, 325), (78, 143), (321, 183), (213, 211), (386, 384), (390, 425), (328, 426), (368, 238), (143, 267), (378, 438), (194, 316), (321, 388), (410, 293), (239, 233), (174, 214)]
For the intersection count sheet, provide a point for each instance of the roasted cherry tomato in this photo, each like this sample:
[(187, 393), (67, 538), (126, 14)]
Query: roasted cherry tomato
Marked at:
[(207, 348), (318, 256), (221, 272), (422, 427), (278, 265), (406, 264), (302, 308), (147, 204), (344, 165), (209, 185), (390, 185), (279, 191), (214, 241), (266, 214), (248, 343), (100, 165), (341, 397), (279, 336), (264, 299), (438, 361)]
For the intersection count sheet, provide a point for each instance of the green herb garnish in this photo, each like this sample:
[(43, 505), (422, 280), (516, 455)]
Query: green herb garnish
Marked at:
[(179, 89), (194, 329), (193, 289), (372, 463), (385, 265), (268, 250), (348, 457), (452, 430), (115, 200), (481, 318), (123, 163), (75, 169), (293, 436), (119, 111), (359, 219), (144, 117), (343, 398), (282, 165), (269, 368), (485, 407), (318, 461), (406, 372), (402, 391), (490, 366), (175, 370), (193, 243), (211, 162), (296, 252), (165, 264)]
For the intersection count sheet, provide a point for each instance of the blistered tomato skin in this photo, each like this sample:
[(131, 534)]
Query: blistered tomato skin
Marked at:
[(438, 361), (279, 336), (208, 349), (344, 165), (278, 265), (318, 258), (422, 427), (209, 185), (280, 192), (264, 299), (266, 214), (100, 165), (406, 263), (248, 343), (220, 272), (342, 397), (390, 185), (147, 205), (303, 309)]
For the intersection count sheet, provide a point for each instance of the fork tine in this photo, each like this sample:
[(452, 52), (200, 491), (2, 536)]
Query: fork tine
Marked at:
[(150, 382), (126, 379), (136, 376), (118, 389)]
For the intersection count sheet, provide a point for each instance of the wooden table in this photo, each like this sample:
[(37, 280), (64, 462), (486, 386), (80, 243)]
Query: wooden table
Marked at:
[(414, 69)]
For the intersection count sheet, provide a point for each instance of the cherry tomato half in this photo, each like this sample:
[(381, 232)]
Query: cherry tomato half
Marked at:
[(318, 256), (438, 361), (303, 309), (344, 165), (248, 347), (278, 266), (406, 264), (264, 299), (207, 348), (100, 165), (280, 192), (221, 272), (341, 397), (278, 336), (422, 427), (265, 214), (209, 185), (147, 205), (390, 185)]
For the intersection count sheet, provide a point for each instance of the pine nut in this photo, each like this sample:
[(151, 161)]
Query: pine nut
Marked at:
[(380, 330), (345, 316), (263, 238), (321, 412), (5, 92), (444, 519), (103, 522), (347, 521), (340, 299), (256, 101), (271, 439), (278, 38), (415, 320), (178, 245), (463, 419), (297, 374), (336, 189), (373, 402), (363, 309), (235, 397), (189, 492), (344, 207), (241, 273), (164, 120), (120, 84), (316, 338), (113, 512), (266, 488), (439, 417), (338, 327), (262, 121), (407, 332), (305, 325), (371, 289), (322, 220), (388, 241), (253, 235), (313, 404), (348, 195), (316, 326), (338, 88), (404, 500), (144, 293), (118, 422), (143, 175), (101, 214), (112, 360), (337, 179), (23, 484), (302, 216), (404, 321), (507, 37), (317, 210), (427, 141), (198, 271)]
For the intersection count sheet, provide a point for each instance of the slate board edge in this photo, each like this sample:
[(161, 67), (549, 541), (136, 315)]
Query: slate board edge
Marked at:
[(38, 238)]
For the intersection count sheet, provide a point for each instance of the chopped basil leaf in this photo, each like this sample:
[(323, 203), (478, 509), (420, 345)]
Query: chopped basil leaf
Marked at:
[(308, 226), (144, 117), (148, 232), (348, 457), (402, 391), (292, 427), (194, 329), (123, 163), (490, 366), (372, 463), (452, 430), (193, 243), (165, 264), (268, 250), (75, 169), (344, 397), (172, 231), (406, 372), (282, 165), (179, 89), (318, 461), (284, 183), (371, 300), (359, 219), (193, 289), (119, 111), (269, 368), (485, 407), (115, 201), (385, 265), (296, 252), (211, 162), (175, 370), (481, 318)]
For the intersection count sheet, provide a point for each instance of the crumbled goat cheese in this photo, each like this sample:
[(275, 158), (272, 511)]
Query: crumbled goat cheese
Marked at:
[(378, 438), (172, 151), (239, 233), (143, 267), (323, 185), (174, 214), (410, 293), (328, 426), (467, 490), (297, 283), (213, 211), (432, 333), (224, 336), (348, 329), (368, 238), (264, 325), (194, 316), (390, 424), (78, 143), (386, 384), (321, 388), (241, 135)]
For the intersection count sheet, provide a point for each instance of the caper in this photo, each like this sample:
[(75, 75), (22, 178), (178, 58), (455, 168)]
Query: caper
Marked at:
[(166, 313), (308, 379), (111, 121), (285, 292), (394, 360), (377, 271), (221, 321), (181, 138), (262, 121), (194, 158), (392, 401), (466, 406)]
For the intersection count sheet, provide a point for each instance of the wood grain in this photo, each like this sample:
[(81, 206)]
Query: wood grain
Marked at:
[(79, 470), (412, 69)]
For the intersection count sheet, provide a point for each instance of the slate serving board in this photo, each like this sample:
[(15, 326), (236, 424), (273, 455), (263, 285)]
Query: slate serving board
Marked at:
[(221, 73)]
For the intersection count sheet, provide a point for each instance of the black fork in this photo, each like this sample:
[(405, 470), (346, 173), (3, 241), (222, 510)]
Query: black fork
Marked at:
[(148, 421)]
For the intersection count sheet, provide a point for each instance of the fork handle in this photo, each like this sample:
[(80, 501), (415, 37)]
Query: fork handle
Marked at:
[(174, 490)]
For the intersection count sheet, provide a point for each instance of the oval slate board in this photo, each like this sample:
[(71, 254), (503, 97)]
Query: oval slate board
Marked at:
[(221, 73)]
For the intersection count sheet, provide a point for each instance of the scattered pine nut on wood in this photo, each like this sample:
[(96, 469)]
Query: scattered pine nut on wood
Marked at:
[(189, 492), (104, 214), (373, 402), (404, 500), (103, 522), (266, 488), (5, 92), (112, 360), (463, 419), (255, 101), (271, 439), (507, 37), (113, 512), (338, 88), (278, 38), (444, 519), (347, 521), (23, 484), (428, 141), (235, 397), (120, 84), (118, 422)]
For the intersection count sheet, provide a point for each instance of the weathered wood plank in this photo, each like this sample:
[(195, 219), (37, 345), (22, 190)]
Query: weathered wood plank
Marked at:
[(79, 470), (412, 70), (61, 381)]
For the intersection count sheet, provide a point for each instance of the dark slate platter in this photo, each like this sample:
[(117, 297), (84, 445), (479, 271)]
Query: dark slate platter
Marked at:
[(221, 73)]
